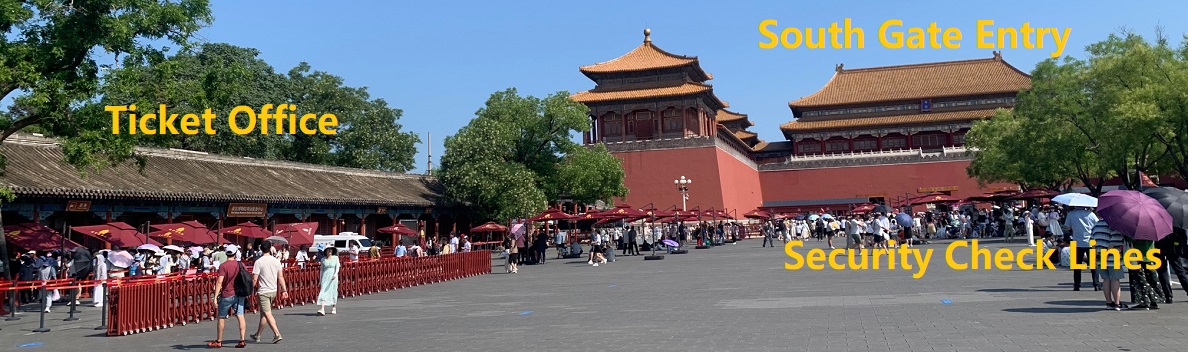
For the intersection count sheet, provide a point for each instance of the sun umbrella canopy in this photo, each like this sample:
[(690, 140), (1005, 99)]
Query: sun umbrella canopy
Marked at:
[(186, 231), (863, 208), (658, 213), (489, 227), (36, 237), (935, 199), (173, 248), (121, 259), (623, 211), (275, 240), (670, 243), (149, 247), (298, 233), (1135, 215), (757, 214), (881, 208), (1174, 201), (1076, 200), (551, 214), (1035, 193), (398, 229), (118, 234), (247, 229), (904, 219), (813, 217)]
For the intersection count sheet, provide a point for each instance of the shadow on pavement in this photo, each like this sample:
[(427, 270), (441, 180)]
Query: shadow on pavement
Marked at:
[(195, 347), (1048, 310), (1079, 303), (1015, 290)]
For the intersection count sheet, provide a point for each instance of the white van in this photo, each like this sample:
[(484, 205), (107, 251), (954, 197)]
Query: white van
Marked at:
[(342, 241)]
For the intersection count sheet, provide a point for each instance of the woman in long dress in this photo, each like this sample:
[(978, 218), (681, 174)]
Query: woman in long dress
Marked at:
[(328, 294)]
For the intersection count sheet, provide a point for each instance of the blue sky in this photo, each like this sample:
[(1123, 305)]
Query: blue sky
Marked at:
[(439, 61)]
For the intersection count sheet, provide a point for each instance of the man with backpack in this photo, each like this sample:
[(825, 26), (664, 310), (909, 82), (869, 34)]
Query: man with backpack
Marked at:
[(232, 288)]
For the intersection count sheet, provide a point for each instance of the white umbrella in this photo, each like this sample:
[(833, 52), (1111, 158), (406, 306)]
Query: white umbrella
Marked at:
[(1076, 200), (173, 248), (149, 247), (121, 259)]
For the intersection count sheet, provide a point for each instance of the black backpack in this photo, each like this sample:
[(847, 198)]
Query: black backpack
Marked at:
[(243, 282)]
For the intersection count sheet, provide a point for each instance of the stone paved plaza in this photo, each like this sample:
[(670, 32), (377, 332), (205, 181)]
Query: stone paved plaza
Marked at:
[(731, 298)]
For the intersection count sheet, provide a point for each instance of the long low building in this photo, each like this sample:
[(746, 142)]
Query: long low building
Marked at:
[(877, 134), (180, 185)]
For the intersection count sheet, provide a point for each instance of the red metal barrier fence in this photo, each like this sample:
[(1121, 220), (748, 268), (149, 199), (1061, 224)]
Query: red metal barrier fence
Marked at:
[(144, 305)]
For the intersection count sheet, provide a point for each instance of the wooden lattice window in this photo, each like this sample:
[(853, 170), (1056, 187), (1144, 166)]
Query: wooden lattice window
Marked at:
[(673, 120), (612, 125)]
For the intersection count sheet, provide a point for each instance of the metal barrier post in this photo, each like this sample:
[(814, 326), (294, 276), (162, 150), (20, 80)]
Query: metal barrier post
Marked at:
[(41, 309), (73, 302), (103, 310), (15, 305)]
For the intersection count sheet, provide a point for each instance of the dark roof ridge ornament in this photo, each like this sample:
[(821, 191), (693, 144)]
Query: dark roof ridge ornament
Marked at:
[(647, 35), (998, 55), (839, 67)]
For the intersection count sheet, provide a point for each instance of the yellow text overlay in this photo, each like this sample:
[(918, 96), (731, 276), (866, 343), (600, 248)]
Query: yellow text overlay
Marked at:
[(893, 34), (241, 120)]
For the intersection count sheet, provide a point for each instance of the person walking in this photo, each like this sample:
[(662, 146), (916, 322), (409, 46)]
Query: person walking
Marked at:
[(632, 242), (1171, 249), (1081, 222), (328, 292), (229, 301), (100, 275), (80, 269), (768, 235), (269, 279), (1106, 238)]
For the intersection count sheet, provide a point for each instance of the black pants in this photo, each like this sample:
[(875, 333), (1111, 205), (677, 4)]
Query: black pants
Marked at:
[(540, 255), (1172, 264), (79, 276), (1083, 258), (768, 239), (634, 246)]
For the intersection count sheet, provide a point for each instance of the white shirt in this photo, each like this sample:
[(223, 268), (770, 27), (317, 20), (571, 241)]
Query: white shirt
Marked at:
[(453, 244)]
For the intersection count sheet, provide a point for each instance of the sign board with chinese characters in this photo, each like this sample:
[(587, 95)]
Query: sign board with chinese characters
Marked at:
[(78, 205), (247, 210)]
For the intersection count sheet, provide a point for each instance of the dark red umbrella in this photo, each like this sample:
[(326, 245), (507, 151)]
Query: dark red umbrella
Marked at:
[(757, 214), (589, 216), (551, 214), (622, 211), (489, 227), (863, 208), (1035, 193), (247, 229), (298, 233), (934, 199), (186, 231), (399, 229), (118, 234), (36, 237)]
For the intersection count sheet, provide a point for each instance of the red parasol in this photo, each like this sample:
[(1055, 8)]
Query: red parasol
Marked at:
[(36, 237), (863, 208), (298, 233), (588, 216), (551, 214), (119, 234), (399, 229), (489, 227), (623, 211), (1035, 193), (186, 231), (757, 214), (932, 199), (247, 229)]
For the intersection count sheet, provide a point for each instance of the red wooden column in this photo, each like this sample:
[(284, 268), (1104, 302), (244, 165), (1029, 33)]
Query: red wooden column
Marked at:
[(362, 224), (879, 142)]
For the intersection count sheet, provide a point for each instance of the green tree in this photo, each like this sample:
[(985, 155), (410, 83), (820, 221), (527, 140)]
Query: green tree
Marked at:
[(1120, 112), (48, 63), (517, 154), (222, 76)]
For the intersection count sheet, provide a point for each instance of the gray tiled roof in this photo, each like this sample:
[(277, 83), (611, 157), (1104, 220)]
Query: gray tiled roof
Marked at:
[(36, 167)]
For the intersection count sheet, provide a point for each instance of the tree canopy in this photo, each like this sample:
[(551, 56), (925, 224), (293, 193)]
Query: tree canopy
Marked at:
[(221, 76), (1118, 113), (48, 63), (517, 155)]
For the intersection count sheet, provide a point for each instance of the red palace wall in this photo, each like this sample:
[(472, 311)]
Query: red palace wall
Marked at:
[(889, 181), (719, 180)]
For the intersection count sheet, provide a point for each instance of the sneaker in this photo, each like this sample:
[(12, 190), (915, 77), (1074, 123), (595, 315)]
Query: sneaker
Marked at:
[(1123, 306), (1141, 306), (320, 314), (595, 264), (1111, 305), (588, 262), (1154, 306), (334, 310)]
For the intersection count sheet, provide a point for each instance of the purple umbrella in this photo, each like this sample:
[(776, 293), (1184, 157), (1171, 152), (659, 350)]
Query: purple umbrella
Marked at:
[(670, 243), (1134, 214)]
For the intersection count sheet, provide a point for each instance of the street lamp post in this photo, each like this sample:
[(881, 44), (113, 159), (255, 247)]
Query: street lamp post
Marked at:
[(683, 186)]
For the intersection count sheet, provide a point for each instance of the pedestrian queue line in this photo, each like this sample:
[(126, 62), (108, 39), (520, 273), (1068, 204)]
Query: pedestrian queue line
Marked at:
[(152, 302), (980, 258)]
